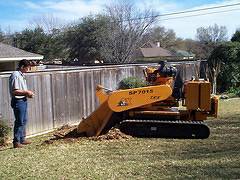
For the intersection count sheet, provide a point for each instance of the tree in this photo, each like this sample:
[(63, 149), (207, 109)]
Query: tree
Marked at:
[(82, 39), (55, 47), (236, 36), (1, 35), (6, 37), (37, 41), (212, 34), (112, 37), (31, 40), (224, 63), (211, 37), (124, 33), (191, 46), (47, 22), (166, 37)]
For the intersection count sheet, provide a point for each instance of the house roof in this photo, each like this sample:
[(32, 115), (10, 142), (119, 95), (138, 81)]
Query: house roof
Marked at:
[(156, 52), (10, 53), (152, 50), (149, 45)]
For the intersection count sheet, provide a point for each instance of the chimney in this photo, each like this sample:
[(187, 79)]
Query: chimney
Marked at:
[(158, 44)]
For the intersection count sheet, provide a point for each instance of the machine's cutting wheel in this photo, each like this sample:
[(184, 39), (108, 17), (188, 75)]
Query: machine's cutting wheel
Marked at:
[(165, 129)]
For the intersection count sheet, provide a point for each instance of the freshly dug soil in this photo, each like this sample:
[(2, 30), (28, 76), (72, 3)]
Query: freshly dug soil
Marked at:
[(112, 134), (66, 131), (69, 134)]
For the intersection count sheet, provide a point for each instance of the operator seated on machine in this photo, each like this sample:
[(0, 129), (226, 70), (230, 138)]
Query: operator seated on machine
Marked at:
[(163, 75)]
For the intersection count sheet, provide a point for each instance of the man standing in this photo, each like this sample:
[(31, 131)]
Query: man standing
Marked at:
[(19, 94)]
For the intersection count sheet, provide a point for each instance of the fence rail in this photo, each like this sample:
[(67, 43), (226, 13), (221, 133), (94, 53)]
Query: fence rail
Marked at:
[(65, 96)]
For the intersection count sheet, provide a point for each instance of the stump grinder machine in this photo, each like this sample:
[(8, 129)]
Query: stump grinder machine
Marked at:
[(167, 107)]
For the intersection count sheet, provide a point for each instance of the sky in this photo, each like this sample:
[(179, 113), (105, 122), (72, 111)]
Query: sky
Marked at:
[(16, 15)]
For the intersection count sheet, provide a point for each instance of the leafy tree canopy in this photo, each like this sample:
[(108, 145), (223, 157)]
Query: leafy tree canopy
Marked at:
[(226, 57), (82, 38), (236, 36), (166, 37), (37, 41)]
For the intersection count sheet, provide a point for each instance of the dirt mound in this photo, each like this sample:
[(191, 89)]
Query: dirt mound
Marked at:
[(66, 131), (69, 134), (112, 134)]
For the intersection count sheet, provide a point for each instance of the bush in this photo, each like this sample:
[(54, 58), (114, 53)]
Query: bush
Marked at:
[(131, 82), (4, 132), (235, 91)]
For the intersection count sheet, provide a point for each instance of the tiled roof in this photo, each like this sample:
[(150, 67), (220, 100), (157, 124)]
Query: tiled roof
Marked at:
[(156, 52), (11, 53)]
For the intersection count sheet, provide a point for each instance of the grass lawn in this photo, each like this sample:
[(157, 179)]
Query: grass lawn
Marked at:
[(214, 158)]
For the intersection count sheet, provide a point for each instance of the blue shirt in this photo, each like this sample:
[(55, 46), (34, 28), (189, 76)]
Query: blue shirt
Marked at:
[(17, 81)]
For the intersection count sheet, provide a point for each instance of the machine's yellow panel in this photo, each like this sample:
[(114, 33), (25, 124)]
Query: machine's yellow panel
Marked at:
[(123, 100), (205, 96), (192, 95)]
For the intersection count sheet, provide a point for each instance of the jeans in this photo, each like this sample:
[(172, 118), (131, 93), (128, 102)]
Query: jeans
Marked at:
[(20, 112)]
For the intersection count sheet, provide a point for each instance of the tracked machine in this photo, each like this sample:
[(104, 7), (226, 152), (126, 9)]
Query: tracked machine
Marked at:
[(167, 107)]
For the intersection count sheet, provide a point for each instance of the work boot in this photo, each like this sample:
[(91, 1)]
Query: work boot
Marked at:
[(17, 145), (26, 142)]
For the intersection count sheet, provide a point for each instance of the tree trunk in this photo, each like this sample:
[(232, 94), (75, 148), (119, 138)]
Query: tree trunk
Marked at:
[(214, 88)]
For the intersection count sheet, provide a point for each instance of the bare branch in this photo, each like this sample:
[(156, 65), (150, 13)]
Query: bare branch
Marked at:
[(47, 22), (124, 32)]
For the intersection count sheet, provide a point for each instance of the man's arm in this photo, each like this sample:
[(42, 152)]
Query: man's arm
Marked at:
[(27, 93)]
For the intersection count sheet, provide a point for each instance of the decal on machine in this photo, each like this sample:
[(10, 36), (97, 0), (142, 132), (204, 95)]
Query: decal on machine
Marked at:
[(155, 97), (144, 91), (125, 102)]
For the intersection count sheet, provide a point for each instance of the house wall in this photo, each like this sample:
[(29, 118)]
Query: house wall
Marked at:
[(7, 66), (66, 96)]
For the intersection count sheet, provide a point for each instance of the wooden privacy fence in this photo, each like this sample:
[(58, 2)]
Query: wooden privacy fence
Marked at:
[(66, 96)]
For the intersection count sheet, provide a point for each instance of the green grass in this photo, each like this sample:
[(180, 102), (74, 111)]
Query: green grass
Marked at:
[(214, 158)]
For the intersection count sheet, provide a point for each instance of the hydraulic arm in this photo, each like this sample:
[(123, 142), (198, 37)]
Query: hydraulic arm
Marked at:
[(119, 101)]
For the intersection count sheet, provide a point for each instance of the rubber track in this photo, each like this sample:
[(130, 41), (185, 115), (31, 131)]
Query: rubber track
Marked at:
[(165, 129)]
